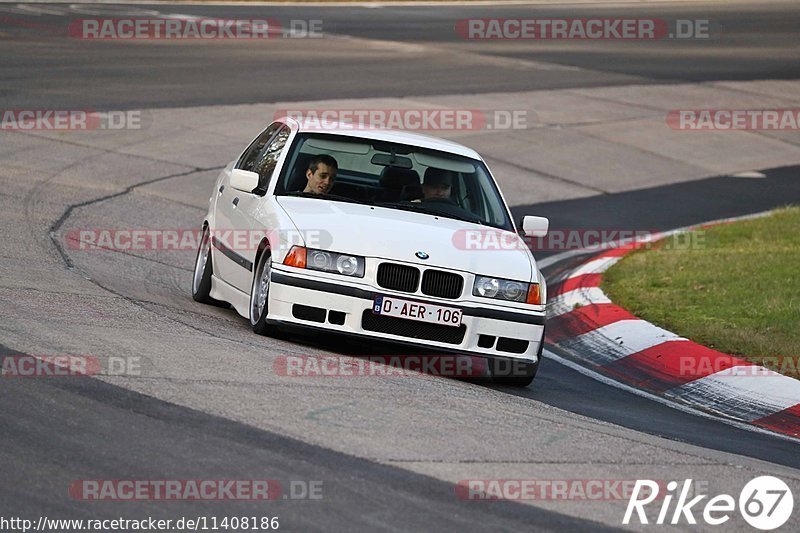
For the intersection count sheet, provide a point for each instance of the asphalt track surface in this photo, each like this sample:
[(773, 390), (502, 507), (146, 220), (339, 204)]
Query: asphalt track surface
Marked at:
[(56, 431), (745, 42), (178, 443)]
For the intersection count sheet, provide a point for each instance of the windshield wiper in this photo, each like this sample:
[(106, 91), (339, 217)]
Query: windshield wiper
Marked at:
[(326, 196)]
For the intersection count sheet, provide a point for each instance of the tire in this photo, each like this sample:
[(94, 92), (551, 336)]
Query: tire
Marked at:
[(259, 296), (513, 373), (203, 269)]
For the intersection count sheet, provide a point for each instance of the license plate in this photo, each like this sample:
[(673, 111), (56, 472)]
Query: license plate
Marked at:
[(422, 312)]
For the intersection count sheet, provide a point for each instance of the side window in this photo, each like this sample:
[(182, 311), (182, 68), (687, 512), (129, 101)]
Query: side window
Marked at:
[(267, 159), (248, 159)]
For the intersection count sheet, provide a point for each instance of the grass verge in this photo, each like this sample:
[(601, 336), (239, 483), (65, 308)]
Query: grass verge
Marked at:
[(733, 287)]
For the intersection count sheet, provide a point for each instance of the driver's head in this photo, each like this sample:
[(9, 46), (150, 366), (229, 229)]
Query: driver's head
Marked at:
[(320, 174), (438, 183)]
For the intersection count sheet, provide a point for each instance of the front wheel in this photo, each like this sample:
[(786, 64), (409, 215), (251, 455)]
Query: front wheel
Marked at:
[(513, 373), (201, 281), (259, 296)]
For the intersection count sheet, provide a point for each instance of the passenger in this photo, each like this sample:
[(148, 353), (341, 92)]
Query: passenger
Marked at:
[(320, 174)]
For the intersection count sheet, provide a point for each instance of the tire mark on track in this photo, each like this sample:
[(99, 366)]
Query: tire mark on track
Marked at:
[(95, 246), (55, 226)]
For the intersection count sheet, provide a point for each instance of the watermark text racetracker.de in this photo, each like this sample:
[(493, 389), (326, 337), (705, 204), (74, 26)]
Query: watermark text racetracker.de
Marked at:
[(418, 119), (734, 119), (65, 365), (337, 366), (192, 28), (186, 239), (69, 120), (589, 239), (581, 28), (726, 366), (546, 489), (126, 490)]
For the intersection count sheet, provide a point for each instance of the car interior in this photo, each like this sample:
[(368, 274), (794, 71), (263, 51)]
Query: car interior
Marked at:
[(382, 173)]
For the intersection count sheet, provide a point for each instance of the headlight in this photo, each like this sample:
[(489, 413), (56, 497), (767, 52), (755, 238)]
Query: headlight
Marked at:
[(506, 289), (347, 265), (486, 287)]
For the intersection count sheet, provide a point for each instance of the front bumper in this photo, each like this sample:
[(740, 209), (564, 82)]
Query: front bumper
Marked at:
[(487, 331)]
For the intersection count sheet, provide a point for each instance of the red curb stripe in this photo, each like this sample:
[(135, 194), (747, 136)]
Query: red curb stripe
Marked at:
[(579, 282), (619, 251), (622, 249), (786, 421), (671, 364), (583, 320), (713, 224)]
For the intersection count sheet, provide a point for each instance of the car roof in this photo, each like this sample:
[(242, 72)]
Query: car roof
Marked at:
[(377, 134)]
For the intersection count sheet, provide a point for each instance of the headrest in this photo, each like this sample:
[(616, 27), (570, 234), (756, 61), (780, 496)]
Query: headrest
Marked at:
[(298, 180), (397, 178)]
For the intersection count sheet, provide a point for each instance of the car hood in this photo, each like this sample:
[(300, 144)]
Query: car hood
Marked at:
[(386, 233)]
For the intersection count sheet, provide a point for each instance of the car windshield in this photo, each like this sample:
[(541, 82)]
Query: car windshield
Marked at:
[(395, 176)]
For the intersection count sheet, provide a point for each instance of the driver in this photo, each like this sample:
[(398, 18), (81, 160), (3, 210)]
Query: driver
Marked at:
[(437, 188), (320, 174), (437, 185)]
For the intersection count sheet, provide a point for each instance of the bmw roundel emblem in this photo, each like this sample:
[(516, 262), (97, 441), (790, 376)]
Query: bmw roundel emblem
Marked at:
[(422, 255)]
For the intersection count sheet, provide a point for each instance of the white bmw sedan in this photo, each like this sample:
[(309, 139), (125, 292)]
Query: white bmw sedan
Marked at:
[(380, 234)]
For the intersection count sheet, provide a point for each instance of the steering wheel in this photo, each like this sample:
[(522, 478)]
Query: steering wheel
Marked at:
[(447, 201)]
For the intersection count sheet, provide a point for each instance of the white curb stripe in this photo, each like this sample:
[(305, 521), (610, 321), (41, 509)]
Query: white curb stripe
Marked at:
[(743, 392), (595, 266), (620, 339), (636, 335), (564, 303)]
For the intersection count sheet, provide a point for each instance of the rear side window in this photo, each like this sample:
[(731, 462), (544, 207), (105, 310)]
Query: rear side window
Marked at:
[(267, 159)]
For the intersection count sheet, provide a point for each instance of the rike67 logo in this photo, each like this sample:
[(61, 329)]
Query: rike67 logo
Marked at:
[(766, 503)]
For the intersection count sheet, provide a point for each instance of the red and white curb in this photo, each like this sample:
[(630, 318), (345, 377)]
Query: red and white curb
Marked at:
[(585, 323)]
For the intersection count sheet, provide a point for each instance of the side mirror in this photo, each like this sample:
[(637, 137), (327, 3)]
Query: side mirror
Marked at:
[(535, 226), (244, 180)]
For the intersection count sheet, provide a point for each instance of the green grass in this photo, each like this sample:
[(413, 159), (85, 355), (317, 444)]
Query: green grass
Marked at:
[(734, 288)]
